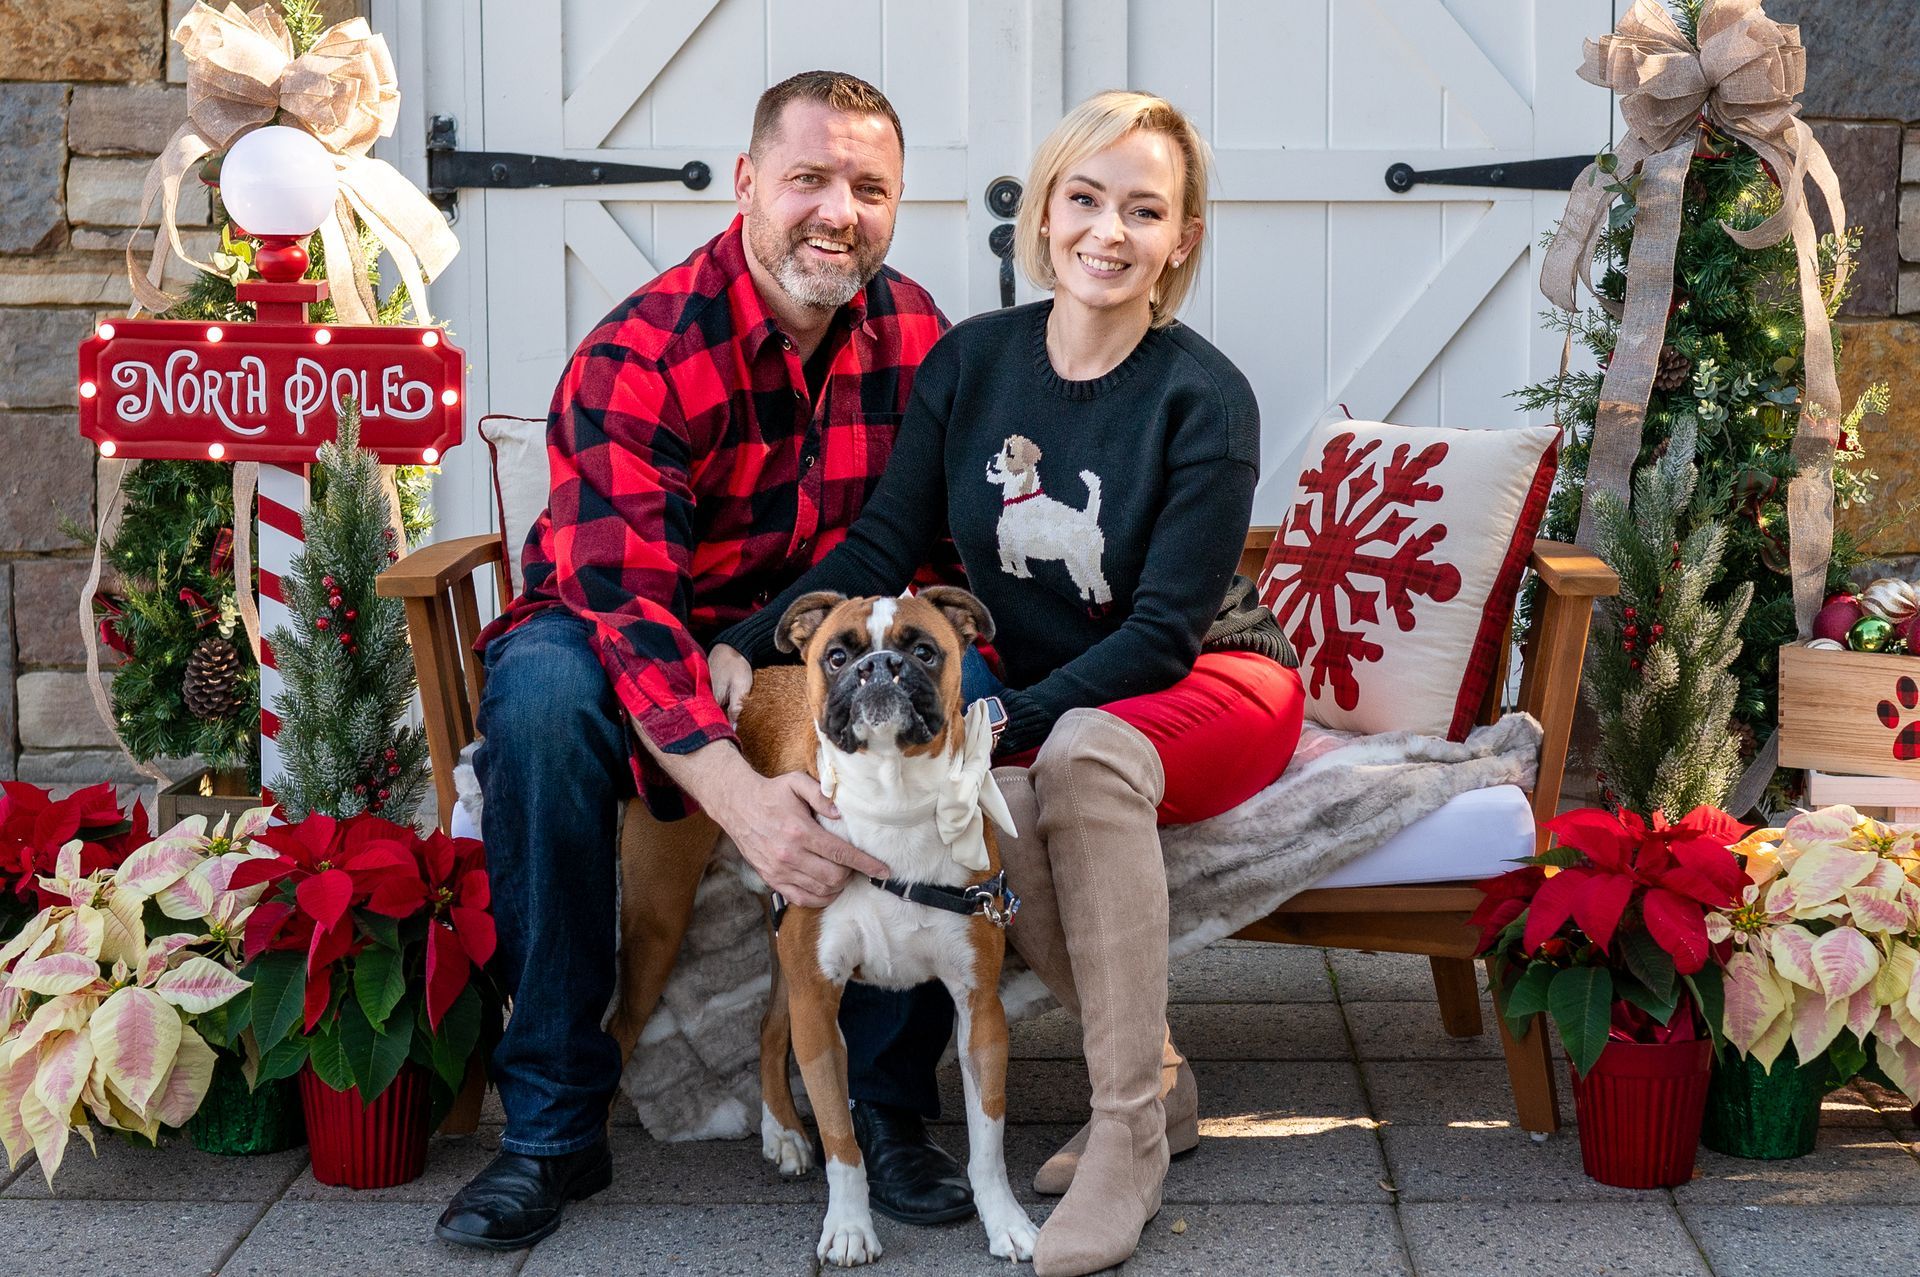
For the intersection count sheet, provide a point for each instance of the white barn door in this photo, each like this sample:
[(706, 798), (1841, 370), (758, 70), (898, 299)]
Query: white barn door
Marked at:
[(1324, 286)]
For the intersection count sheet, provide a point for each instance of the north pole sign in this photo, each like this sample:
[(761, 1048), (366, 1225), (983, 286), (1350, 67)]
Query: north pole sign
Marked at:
[(268, 391)]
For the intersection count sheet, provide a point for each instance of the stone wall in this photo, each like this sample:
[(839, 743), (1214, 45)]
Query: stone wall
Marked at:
[(90, 91)]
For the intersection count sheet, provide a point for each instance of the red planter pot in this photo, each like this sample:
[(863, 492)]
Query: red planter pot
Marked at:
[(1640, 1109), (377, 1145)]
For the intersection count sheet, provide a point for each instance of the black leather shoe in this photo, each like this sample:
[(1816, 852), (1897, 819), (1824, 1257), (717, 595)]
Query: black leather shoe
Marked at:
[(517, 1199), (909, 1177)]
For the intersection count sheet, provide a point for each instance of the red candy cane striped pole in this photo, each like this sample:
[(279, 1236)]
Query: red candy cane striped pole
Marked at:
[(283, 504)]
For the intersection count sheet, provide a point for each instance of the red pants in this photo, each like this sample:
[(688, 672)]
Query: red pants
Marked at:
[(1224, 732)]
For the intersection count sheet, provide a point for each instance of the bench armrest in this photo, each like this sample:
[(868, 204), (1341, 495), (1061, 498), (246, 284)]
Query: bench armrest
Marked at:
[(429, 570), (1556, 649)]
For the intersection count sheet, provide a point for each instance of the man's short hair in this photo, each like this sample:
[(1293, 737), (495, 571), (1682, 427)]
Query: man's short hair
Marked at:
[(836, 89)]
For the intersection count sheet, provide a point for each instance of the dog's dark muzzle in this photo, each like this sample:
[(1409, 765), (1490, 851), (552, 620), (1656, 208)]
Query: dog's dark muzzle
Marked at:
[(883, 687)]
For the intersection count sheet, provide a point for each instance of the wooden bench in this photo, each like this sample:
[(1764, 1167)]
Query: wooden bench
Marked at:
[(437, 584)]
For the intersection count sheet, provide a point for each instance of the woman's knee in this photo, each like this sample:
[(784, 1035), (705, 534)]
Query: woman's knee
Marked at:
[(1088, 742)]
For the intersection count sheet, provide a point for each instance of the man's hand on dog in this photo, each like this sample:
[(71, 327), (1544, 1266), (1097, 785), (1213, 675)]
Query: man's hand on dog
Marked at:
[(732, 675), (771, 820)]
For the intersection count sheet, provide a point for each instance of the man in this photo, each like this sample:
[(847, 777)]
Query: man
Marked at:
[(714, 436)]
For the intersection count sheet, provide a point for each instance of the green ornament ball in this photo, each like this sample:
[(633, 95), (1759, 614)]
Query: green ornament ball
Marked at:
[(1870, 634)]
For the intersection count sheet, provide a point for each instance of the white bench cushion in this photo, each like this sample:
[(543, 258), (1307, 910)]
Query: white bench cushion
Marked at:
[(1475, 835)]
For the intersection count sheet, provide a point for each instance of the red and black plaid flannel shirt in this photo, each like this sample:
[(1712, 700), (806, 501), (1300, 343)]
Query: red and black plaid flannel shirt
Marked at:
[(693, 478)]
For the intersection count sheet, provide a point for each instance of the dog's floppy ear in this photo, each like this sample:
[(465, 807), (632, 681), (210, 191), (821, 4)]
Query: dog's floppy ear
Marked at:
[(803, 618), (968, 614)]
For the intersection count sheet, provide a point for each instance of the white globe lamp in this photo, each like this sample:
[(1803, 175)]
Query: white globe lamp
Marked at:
[(278, 185)]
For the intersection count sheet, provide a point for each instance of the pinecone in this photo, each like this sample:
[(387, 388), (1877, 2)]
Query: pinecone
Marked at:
[(212, 685), (1749, 741), (1675, 370)]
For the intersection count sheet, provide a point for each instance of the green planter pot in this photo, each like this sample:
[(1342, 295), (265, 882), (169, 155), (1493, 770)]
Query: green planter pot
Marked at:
[(1761, 1115), (234, 1121)]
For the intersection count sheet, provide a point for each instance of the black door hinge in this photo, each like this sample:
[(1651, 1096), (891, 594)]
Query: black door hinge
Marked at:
[(1556, 174), (451, 170)]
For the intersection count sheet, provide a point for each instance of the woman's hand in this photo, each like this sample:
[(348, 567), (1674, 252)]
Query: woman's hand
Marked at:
[(732, 679)]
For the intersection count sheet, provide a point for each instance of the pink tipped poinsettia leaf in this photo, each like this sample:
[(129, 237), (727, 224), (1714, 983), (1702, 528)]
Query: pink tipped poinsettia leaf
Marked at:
[(160, 954), (55, 974), (476, 932), (157, 865), (1825, 873), (1602, 836), (1599, 901), (135, 1036), (1552, 908), (1829, 828), (187, 897), (16, 1081), (446, 972), (1792, 951), (1862, 1012), (1877, 910), (1753, 1000), (1845, 961), (1679, 926), (66, 1061), (58, 1015), (49, 1132), (199, 984), (180, 1096), (1816, 1023), (325, 897)]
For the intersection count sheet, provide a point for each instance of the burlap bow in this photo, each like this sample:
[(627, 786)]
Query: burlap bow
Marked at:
[(1742, 79), (241, 72)]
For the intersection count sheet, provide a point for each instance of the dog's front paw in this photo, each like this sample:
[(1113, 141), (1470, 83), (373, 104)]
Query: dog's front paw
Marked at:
[(1010, 1234), (848, 1243), (787, 1149)]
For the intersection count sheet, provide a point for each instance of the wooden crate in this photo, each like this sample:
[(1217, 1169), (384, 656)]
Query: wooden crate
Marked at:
[(205, 793), (1844, 711)]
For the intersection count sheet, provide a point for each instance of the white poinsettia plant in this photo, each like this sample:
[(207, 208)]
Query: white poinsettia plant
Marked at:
[(99, 996), (1826, 943)]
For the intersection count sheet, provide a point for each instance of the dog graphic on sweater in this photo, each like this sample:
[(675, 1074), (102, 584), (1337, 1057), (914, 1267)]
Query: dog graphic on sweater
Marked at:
[(1035, 526)]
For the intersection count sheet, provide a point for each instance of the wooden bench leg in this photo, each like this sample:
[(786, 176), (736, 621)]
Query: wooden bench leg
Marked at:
[(1459, 994), (1530, 1073)]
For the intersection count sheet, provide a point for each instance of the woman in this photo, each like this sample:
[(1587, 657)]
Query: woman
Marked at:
[(1095, 461)]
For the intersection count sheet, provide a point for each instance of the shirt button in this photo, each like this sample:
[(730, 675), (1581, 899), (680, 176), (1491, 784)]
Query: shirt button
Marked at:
[(803, 545), (806, 460), (786, 342), (763, 598)]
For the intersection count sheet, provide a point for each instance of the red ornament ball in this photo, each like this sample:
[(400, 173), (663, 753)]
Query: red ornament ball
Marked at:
[(1631, 613), (1837, 617), (352, 615), (393, 769), (346, 638), (1659, 630), (382, 795), (392, 556), (327, 581), (392, 754), (334, 600), (321, 622), (359, 789)]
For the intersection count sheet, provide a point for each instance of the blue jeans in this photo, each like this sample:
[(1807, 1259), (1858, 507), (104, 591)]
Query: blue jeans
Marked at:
[(554, 767)]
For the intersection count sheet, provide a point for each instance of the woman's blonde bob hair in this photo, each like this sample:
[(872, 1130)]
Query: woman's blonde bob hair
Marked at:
[(1088, 129)]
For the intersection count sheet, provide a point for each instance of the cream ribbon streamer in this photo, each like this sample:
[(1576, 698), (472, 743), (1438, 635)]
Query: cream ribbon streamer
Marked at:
[(968, 798), (241, 74), (1742, 78)]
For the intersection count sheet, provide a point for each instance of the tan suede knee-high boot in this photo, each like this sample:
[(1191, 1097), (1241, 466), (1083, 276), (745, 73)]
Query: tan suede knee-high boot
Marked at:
[(1098, 781), (1042, 944)]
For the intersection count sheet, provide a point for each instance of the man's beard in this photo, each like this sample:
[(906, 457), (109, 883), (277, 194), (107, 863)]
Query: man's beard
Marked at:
[(809, 281)]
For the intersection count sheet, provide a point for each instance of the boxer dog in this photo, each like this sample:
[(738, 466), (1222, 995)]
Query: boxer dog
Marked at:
[(875, 713)]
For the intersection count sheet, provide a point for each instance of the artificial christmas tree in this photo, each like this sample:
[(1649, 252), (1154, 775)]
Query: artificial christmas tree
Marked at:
[(1658, 678), (1730, 335), (349, 676)]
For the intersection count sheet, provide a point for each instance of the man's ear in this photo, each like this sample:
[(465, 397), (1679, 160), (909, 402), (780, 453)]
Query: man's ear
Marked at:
[(743, 179), (803, 618), (968, 614)]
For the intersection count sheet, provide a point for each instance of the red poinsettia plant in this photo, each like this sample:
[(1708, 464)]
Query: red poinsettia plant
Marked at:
[(367, 950), (1606, 931), (34, 826)]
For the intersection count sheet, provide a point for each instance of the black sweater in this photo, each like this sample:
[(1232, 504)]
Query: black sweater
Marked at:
[(1101, 578)]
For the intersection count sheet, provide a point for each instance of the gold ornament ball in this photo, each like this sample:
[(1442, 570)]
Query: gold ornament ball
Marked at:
[(1870, 634)]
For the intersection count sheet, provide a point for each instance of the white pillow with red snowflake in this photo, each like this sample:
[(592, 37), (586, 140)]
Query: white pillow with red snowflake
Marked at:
[(1395, 570)]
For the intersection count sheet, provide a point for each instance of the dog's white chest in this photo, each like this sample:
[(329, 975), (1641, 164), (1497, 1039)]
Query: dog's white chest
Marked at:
[(892, 942)]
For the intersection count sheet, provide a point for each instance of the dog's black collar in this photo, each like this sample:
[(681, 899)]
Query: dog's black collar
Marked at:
[(990, 898)]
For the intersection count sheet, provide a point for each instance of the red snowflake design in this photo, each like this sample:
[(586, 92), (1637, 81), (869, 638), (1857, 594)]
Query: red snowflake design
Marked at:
[(1906, 746), (1347, 539)]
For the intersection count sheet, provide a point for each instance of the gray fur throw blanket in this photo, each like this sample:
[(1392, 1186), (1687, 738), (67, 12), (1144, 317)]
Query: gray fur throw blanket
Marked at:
[(695, 1074)]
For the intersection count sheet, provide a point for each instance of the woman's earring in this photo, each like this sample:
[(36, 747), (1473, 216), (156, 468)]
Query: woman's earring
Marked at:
[(1177, 261), (1043, 228)]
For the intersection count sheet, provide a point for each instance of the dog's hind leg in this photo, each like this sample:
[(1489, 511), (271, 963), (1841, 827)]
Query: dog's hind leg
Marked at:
[(983, 1075), (783, 1140), (661, 864), (847, 1237)]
